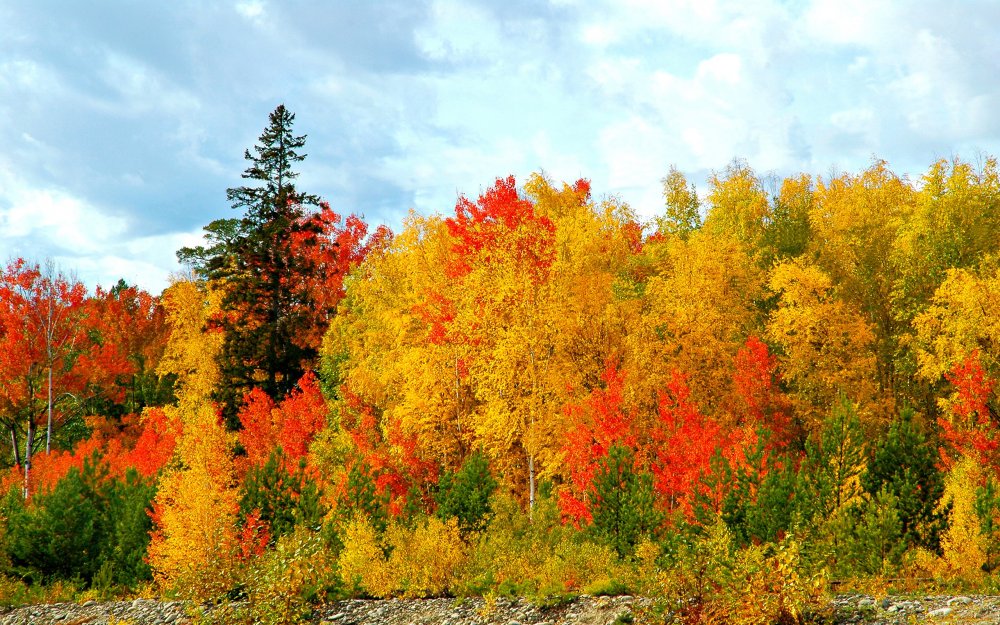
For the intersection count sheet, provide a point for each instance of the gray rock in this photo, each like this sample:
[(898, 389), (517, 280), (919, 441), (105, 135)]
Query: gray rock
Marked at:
[(939, 612)]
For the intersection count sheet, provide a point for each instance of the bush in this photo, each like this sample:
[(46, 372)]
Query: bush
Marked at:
[(536, 556), (423, 561), (284, 584), (709, 580), (89, 527)]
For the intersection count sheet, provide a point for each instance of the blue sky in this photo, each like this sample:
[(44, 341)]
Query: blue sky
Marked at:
[(122, 123)]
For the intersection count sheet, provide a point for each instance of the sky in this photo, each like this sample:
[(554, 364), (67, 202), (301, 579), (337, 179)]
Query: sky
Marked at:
[(123, 123)]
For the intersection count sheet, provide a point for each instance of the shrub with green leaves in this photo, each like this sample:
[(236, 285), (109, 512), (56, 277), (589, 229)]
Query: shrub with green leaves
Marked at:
[(88, 525)]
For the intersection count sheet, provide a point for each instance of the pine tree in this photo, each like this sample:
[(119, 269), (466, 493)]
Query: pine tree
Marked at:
[(905, 466), (258, 263)]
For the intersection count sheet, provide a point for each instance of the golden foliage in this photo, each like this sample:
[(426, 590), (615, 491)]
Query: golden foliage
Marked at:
[(964, 315), (194, 544), (963, 545), (424, 561), (827, 345)]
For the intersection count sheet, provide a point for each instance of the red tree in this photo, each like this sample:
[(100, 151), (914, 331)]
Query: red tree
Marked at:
[(595, 426), (974, 430)]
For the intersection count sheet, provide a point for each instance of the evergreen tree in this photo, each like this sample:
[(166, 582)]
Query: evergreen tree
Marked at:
[(905, 466), (465, 494), (259, 264), (282, 497), (624, 508)]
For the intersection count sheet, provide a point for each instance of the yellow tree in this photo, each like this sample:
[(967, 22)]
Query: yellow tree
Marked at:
[(504, 253), (682, 216), (964, 316), (395, 344), (587, 305), (855, 220), (194, 539), (739, 207), (698, 308), (953, 225), (825, 344)]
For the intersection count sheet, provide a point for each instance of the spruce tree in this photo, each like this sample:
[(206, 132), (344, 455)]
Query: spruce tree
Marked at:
[(258, 263)]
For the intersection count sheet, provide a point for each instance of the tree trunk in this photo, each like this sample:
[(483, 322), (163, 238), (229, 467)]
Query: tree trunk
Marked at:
[(15, 447), (531, 487), (48, 429), (29, 442)]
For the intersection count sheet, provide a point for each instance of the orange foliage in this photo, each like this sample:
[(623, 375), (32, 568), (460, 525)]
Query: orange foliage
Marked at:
[(483, 228), (392, 456), (974, 431), (760, 401), (596, 426), (254, 537), (685, 441), (292, 425)]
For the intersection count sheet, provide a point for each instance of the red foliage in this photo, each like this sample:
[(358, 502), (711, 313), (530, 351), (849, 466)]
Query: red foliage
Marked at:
[(331, 246), (685, 441), (975, 430), (40, 328), (301, 417), (259, 434), (595, 426), (759, 398), (437, 312), (501, 222), (131, 331), (254, 537), (155, 445), (391, 456), (48, 469), (292, 425)]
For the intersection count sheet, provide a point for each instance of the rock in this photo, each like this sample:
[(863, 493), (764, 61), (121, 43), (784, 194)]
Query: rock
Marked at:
[(938, 613), (959, 601)]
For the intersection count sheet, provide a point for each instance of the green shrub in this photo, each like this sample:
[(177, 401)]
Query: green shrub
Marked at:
[(86, 523), (624, 509), (465, 494), (286, 583)]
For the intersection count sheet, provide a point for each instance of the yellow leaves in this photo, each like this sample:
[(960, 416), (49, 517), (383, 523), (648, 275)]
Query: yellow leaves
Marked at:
[(964, 315), (424, 561), (700, 307), (191, 350), (194, 544), (739, 206), (826, 343), (963, 544), (682, 216)]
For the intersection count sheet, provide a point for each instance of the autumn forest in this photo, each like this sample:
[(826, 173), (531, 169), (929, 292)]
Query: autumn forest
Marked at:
[(777, 389)]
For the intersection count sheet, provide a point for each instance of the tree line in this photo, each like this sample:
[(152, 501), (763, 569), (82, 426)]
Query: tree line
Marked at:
[(775, 383)]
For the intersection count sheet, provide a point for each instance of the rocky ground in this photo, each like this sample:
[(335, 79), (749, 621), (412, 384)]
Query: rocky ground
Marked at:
[(848, 609)]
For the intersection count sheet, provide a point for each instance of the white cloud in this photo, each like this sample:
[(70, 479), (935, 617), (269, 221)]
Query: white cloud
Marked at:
[(97, 246), (251, 9)]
